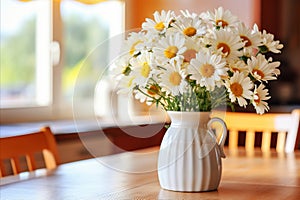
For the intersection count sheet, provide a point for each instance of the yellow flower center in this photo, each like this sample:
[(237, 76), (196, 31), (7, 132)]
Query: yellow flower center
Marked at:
[(171, 52), (190, 31), (153, 90), (226, 48), (145, 71), (175, 78), (236, 89), (132, 49), (207, 70), (159, 26), (189, 55), (224, 23), (247, 40), (258, 72)]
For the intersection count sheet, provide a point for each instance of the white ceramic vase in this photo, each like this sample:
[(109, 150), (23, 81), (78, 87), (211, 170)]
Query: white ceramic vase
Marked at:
[(190, 155)]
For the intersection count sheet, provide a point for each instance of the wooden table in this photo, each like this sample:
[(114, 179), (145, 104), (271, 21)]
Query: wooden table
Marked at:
[(133, 175)]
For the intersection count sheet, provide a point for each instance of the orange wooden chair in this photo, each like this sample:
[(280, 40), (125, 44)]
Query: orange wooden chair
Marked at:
[(27, 146), (284, 124)]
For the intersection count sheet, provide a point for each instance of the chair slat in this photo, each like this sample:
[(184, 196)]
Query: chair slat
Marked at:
[(233, 139), (49, 159), (280, 141), (250, 137), (266, 141), (15, 164), (2, 169), (30, 162)]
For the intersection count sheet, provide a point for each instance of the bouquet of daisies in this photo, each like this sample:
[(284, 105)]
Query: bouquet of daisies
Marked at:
[(192, 62)]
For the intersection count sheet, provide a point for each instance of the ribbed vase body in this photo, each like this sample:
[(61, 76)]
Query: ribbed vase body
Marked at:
[(189, 158)]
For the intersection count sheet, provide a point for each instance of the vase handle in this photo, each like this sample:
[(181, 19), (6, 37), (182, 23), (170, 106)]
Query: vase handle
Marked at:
[(223, 136)]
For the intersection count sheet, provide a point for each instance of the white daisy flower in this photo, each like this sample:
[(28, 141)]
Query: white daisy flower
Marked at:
[(274, 66), (239, 88), (227, 44), (250, 38), (160, 23), (142, 68), (132, 41), (149, 40), (190, 27), (170, 48), (269, 43), (148, 94), (261, 69), (121, 66), (126, 84), (207, 70), (238, 66), (141, 95), (173, 80), (259, 97), (222, 18)]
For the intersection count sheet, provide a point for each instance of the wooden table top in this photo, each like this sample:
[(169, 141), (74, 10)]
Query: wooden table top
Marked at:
[(133, 175)]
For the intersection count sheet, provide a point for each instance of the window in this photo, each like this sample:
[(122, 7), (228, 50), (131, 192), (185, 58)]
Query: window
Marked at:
[(25, 61), (45, 45), (85, 28)]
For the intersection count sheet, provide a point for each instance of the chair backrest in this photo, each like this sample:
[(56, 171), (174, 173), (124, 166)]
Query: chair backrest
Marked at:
[(285, 125), (27, 146)]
